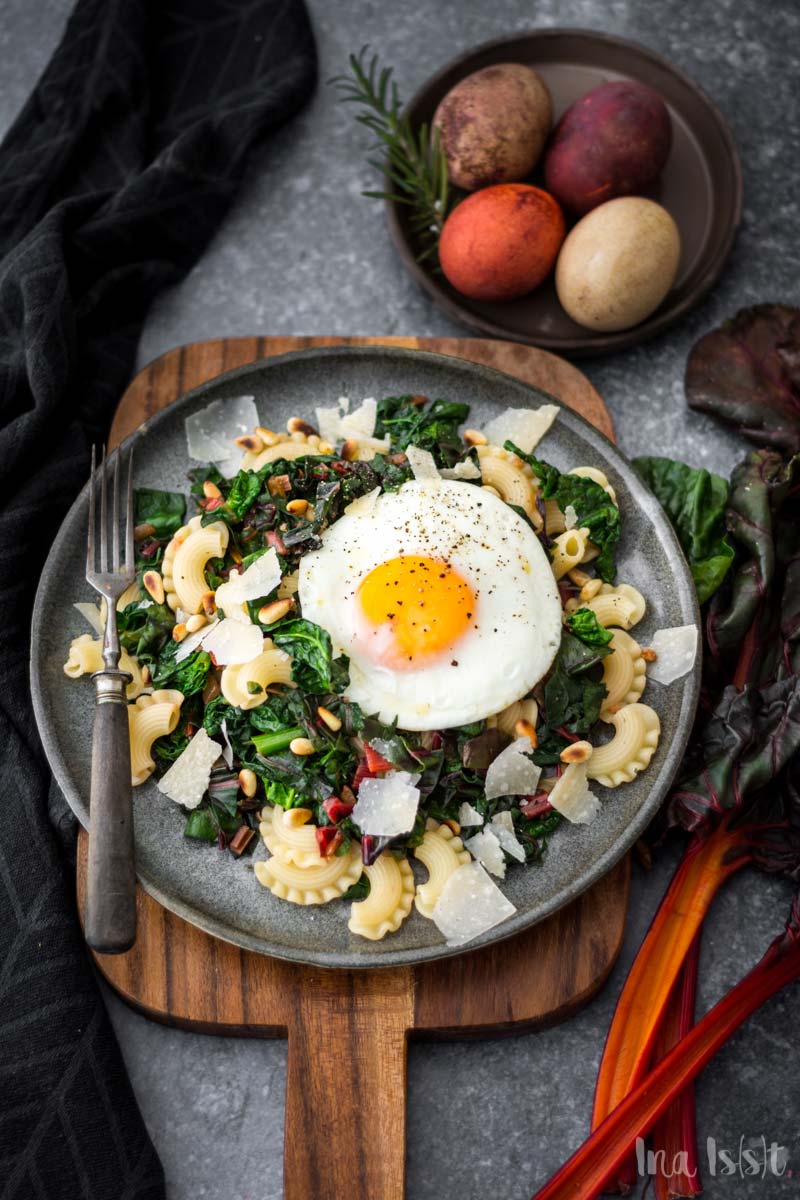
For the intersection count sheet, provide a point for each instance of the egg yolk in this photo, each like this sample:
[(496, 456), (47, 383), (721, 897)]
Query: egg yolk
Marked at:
[(411, 609)]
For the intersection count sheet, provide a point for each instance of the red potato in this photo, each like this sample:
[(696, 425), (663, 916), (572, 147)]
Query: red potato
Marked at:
[(502, 241), (612, 142)]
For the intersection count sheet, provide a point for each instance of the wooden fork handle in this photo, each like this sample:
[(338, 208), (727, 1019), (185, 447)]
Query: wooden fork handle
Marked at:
[(111, 887)]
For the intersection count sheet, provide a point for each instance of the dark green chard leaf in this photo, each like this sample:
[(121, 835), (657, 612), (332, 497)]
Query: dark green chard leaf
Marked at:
[(310, 648), (188, 676), (574, 692), (244, 491), (165, 511), (594, 508), (432, 427), (391, 475), (144, 631), (584, 625), (205, 823), (694, 501), (747, 373)]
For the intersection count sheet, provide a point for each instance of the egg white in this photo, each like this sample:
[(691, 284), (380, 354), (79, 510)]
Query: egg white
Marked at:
[(517, 625)]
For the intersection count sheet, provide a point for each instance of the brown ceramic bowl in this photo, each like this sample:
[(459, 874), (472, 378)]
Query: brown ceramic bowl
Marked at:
[(701, 185)]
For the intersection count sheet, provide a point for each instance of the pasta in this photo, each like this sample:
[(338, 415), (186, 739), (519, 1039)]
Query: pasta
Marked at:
[(554, 519), (289, 841), (290, 449), (569, 549), (596, 476), (86, 657), (624, 674), (185, 558), (151, 717), (510, 478), (621, 606), (520, 710), (315, 883), (637, 730), (270, 666), (390, 899), (442, 853)]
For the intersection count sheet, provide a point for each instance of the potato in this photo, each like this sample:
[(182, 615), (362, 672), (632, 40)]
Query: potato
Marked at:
[(618, 264), (502, 241), (493, 125), (612, 142)]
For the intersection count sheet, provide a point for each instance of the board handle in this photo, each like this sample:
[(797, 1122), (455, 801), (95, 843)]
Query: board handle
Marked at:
[(345, 1132)]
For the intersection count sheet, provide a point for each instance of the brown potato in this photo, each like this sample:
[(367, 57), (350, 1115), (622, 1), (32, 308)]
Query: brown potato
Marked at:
[(493, 125)]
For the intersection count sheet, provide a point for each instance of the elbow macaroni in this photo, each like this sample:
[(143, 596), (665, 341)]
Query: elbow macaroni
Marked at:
[(86, 657), (185, 558), (289, 837), (151, 717), (270, 666), (569, 549), (391, 895), (621, 605), (442, 853), (624, 674), (519, 710), (511, 479), (637, 730)]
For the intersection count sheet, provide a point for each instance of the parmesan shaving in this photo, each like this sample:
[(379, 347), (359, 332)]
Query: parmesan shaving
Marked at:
[(227, 749), (470, 904), (211, 432), (570, 517), (361, 421), (192, 641), (676, 651), (572, 798), (525, 427), (388, 806), (93, 617), (362, 506), (512, 773), (231, 642), (485, 847), (503, 829), (187, 779), (467, 815), (468, 469), (423, 465)]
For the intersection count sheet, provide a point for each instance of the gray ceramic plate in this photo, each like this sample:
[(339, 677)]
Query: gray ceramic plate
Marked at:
[(216, 891)]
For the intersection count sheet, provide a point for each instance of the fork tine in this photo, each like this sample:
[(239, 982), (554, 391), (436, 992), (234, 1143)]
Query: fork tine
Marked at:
[(90, 534), (103, 515), (115, 518), (129, 559)]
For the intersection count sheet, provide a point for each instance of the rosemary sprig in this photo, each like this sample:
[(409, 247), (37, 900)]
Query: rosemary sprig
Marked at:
[(413, 164)]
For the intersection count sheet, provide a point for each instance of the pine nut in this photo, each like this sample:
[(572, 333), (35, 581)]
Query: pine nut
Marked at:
[(141, 532), (145, 674), (418, 401), (179, 632), (211, 491), (295, 818), (349, 450), (523, 728), (209, 604), (196, 622), (452, 825), (154, 585), (248, 782), (298, 437), (270, 613), (324, 447), (576, 753), (267, 436), (649, 655), (590, 589), (474, 437), (579, 577), (301, 746), (297, 507), (298, 425), (330, 719), (251, 442)]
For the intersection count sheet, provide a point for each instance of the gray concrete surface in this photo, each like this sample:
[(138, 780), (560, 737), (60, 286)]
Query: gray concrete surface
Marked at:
[(303, 253)]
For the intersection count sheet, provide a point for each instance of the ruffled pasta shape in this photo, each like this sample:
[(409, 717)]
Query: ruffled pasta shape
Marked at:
[(633, 745), (622, 606), (518, 710), (293, 842), (316, 883), (554, 519), (442, 853), (270, 666), (391, 896), (184, 563), (624, 674), (569, 549), (86, 657), (149, 718), (289, 449), (510, 477), (598, 477)]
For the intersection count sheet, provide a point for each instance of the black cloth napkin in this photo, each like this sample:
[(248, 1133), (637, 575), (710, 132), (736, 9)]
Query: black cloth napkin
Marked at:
[(112, 180)]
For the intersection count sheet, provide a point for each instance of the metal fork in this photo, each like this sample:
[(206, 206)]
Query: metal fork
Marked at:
[(111, 891)]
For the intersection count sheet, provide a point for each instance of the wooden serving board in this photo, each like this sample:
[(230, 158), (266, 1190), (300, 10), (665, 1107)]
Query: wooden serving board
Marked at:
[(348, 1030)]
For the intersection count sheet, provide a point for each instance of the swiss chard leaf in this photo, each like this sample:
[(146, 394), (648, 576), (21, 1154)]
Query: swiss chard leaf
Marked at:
[(432, 427), (312, 658), (188, 676), (163, 510), (244, 491), (694, 501), (574, 692), (144, 631), (594, 508), (747, 373), (584, 625)]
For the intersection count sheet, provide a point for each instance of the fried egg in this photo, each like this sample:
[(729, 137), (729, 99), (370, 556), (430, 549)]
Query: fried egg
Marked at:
[(443, 599)]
